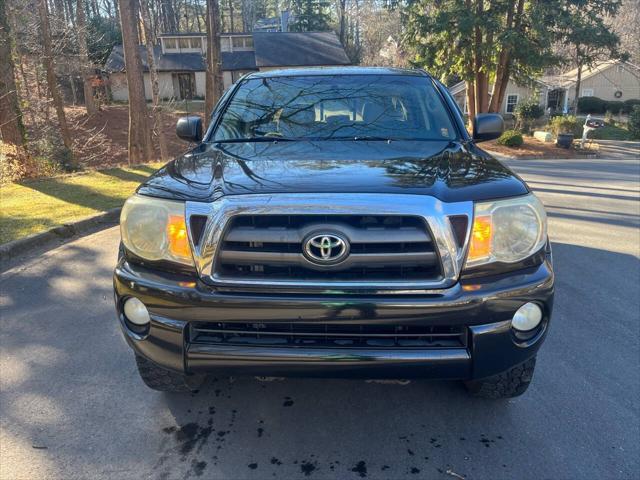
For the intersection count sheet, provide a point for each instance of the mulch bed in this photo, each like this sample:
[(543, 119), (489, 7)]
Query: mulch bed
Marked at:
[(536, 149)]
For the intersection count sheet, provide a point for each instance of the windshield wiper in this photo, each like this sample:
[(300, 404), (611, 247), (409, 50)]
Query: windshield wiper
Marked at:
[(256, 140), (357, 138)]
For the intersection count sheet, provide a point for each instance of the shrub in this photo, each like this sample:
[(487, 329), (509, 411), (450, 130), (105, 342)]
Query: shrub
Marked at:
[(566, 124), (527, 112), (615, 106), (511, 138), (634, 122), (591, 105), (628, 105)]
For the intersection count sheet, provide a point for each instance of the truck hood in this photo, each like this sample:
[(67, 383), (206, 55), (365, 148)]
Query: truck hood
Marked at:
[(449, 171)]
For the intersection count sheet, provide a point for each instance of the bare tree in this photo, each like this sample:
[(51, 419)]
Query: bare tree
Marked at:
[(140, 146), (11, 127), (248, 15), (155, 86), (89, 101), (52, 82), (213, 85), (341, 7), (169, 17), (231, 25)]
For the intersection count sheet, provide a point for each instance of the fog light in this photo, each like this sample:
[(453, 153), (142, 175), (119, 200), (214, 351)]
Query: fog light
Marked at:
[(527, 317), (136, 312)]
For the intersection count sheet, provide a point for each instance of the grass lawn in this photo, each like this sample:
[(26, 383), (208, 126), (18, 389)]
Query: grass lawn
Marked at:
[(611, 132), (37, 205)]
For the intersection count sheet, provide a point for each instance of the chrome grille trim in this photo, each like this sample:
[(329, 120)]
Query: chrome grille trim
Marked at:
[(433, 211)]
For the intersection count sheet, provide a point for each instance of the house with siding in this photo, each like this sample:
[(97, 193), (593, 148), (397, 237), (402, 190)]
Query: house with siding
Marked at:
[(181, 63), (514, 94), (610, 80)]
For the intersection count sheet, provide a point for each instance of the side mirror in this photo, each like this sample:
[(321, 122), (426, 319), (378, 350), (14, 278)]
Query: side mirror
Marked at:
[(189, 128), (487, 126)]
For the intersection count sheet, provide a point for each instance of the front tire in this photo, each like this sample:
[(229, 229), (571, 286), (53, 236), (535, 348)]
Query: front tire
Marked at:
[(509, 384), (163, 380)]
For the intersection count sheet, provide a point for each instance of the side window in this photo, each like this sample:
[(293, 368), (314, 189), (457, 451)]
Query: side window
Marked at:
[(512, 101), (587, 92), (216, 113)]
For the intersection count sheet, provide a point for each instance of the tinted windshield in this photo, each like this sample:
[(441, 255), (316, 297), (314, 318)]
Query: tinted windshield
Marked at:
[(376, 107)]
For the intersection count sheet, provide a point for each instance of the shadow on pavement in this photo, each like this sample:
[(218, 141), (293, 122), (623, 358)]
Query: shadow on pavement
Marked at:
[(72, 403)]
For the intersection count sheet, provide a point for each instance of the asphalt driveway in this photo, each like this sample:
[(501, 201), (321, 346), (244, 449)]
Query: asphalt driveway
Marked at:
[(72, 406)]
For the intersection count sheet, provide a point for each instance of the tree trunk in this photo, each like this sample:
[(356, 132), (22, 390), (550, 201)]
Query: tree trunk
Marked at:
[(231, 25), (502, 68), (11, 126), (155, 86), (116, 9), (72, 85), (71, 13), (481, 80), (47, 59), (168, 17), (214, 85), (248, 15), (89, 101), (502, 79), (59, 15), (140, 146), (471, 101), (514, 21), (342, 16), (574, 103)]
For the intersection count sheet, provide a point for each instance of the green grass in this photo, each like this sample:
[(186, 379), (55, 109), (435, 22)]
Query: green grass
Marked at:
[(611, 132), (34, 206)]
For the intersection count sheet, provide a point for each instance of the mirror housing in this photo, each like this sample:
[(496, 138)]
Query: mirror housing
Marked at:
[(189, 128), (487, 126)]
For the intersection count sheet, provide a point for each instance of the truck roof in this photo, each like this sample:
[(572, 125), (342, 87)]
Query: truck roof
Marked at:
[(319, 71)]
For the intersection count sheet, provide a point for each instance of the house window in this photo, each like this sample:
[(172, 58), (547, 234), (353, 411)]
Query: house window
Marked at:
[(512, 101), (587, 92), (225, 44), (242, 43), (196, 43), (170, 44), (184, 44)]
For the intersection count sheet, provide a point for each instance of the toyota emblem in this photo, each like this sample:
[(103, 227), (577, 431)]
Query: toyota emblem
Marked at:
[(326, 248)]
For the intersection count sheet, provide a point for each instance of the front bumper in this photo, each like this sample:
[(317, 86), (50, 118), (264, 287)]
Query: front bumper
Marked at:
[(484, 306)]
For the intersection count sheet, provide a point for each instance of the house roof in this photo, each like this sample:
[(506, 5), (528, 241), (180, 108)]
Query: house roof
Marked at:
[(462, 86), (298, 49), (271, 49), (189, 62), (568, 79), (458, 87)]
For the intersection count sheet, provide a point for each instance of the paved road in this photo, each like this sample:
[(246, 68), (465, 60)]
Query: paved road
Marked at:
[(72, 405)]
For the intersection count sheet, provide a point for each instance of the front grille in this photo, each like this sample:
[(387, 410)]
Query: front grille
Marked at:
[(382, 248), (299, 334)]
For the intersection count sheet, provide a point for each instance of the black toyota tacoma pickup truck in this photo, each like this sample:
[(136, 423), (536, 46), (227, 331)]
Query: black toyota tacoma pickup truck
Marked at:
[(336, 222)]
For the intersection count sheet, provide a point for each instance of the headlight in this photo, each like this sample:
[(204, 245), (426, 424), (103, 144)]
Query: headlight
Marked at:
[(155, 229), (507, 230)]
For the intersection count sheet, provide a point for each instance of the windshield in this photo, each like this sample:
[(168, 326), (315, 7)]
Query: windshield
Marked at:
[(366, 107)]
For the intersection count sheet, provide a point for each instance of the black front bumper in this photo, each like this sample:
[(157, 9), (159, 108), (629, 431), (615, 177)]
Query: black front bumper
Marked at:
[(483, 306)]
